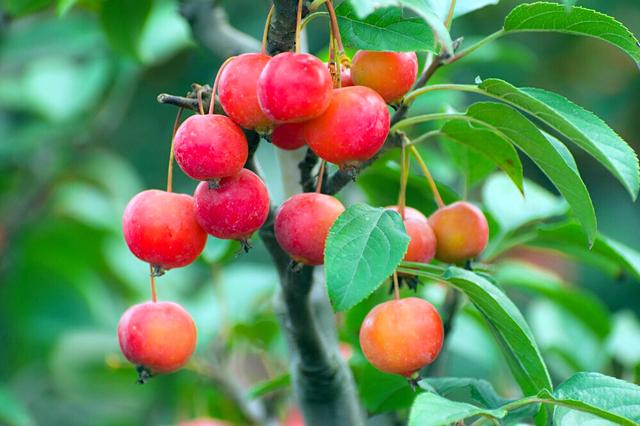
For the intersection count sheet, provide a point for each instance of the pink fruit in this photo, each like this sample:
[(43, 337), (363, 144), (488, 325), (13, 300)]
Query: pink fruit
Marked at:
[(422, 247), (235, 209), (352, 129), (294, 87), (391, 74), (302, 225), (288, 136), (210, 147), (161, 228), (237, 90)]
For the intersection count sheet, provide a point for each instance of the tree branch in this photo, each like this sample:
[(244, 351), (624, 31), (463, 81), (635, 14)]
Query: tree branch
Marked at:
[(211, 29)]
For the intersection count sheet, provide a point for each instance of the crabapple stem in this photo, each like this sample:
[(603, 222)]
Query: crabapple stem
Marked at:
[(298, 25), (315, 4), (214, 89), (427, 174), (452, 6), (199, 97), (154, 296), (265, 33), (404, 177), (396, 286), (320, 176), (176, 124), (335, 29)]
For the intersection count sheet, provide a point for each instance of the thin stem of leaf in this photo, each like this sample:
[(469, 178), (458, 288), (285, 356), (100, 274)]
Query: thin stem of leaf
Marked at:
[(452, 6), (411, 96), (310, 17), (176, 124), (425, 118), (404, 178), (427, 174), (474, 47), (265, 33), (315, 4), (425, 136)]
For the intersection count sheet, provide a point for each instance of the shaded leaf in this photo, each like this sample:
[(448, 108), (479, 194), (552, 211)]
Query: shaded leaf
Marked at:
[(430, 409), (123, 22)]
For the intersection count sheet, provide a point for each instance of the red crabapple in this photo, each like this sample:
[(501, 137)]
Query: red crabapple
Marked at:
[(210, 147), (402, 336), (345, 77), (161, 228), (352, 129), (237, 90), (422, 246), (235, 209), (158, 337), (288, 136), (391, 74), (204, 421), (294, 87), (302, 225), (462, 232)]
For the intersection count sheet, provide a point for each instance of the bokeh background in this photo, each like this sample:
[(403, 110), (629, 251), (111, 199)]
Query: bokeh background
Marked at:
[(81, 133)]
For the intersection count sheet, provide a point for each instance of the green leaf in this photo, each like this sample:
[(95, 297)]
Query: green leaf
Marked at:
[(382, 392), (569, 238), (544, 16), (384, 29), (514, 127), (123, 21), (580, 126), (473, 167), (363, 8), (477, 390), (512, 210), (364, 246), (600, 395), (430, 409), (509, 326), (485, 142)]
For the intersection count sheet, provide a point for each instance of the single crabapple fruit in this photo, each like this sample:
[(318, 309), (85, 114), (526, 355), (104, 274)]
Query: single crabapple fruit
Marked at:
[(237, 90), (210, 147), (461, 230), (161, 228), (235, 209), (302, 225), (391, 74), (289, 136), (402, 336), (422, 246), (294, 87), (352, 129), (158, 337)]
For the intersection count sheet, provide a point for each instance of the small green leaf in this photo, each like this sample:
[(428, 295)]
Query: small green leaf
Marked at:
[(123, 21), (364, 246), (603, 396), (580, 126), (384, 29), (544, 16), (482, 141), (382, 392), (430, 409), (514, 127), (364, 8)]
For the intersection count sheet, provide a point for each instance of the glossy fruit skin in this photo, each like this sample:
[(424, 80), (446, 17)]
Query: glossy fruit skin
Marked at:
[(345, 78), (289, 136), (234, 210), (294, 87), (160, 336), (422, 247), (302, 225), (391, 74), (204, 421), (237, 91), (402, 336), (161, 229), (462, 232), (352, 129), (210, 146)]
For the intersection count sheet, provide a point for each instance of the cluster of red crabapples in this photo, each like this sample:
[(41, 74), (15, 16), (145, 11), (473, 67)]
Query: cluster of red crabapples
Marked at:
[(294, 99)]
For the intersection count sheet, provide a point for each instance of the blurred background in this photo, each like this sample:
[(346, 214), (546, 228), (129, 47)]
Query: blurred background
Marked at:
[(81, 132)]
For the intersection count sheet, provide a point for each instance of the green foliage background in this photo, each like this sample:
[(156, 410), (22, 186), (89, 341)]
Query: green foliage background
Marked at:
[(81, 132)]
